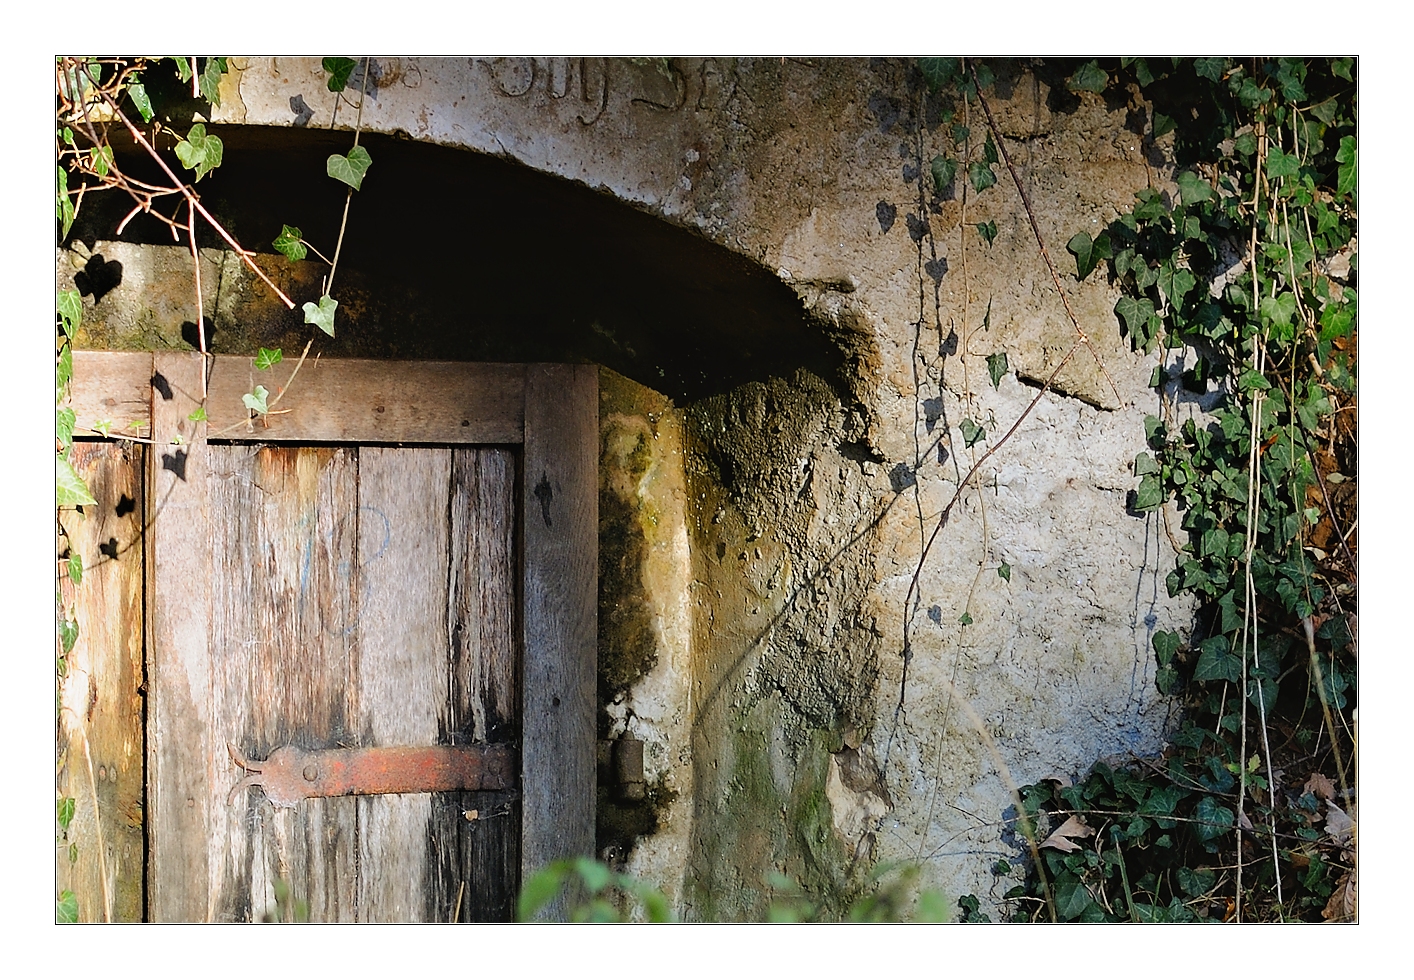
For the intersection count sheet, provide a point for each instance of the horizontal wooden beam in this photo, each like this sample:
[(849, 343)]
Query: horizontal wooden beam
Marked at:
[(330, 400)]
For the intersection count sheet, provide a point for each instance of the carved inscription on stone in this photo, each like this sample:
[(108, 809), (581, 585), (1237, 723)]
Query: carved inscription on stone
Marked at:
[(586, 86)]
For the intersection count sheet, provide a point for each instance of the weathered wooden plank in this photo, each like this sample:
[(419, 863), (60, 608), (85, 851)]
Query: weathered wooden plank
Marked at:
[(100, 718), (361, 401), (403, 673), (560, 507), (476, 836), (115, 386), (180, 785), (284, 528)]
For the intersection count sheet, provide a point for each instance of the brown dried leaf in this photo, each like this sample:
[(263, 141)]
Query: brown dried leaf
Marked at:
[(1320, 787), (1342, 905), (1338, 825), (1060, 837)]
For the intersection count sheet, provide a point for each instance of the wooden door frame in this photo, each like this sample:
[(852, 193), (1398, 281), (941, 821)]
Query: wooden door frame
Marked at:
[(550, 410)]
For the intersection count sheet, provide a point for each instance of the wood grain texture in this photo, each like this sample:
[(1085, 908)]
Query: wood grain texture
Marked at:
[(180, 783), (559, 500), (112, 385), (403, 673), (100, 718), (476, 836), (285, 667), (362, 401)]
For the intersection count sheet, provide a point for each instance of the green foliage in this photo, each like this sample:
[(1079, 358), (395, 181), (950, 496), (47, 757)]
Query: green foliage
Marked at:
[(350, 168), (290, 243), (1268, 333), (988, 231), (972, 433), (70, 490), (339, 70), (321, 314), (1089, 78), (1004, 571), (199, 151), (256, 400), (997, 367), (64, 813), (603, 895), (267, 358), (66, 909)]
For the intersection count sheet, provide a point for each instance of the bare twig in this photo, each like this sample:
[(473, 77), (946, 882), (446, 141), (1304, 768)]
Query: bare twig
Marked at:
[(195, 203), (358, 127), (1036, 230)]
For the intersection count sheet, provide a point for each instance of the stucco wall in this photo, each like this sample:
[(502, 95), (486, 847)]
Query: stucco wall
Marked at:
[(766, 534)]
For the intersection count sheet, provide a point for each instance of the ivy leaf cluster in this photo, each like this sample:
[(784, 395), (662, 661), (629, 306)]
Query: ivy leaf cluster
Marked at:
[(1243, 275)]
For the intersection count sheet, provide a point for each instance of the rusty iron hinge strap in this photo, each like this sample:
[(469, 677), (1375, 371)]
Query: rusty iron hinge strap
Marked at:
[(291, 774)]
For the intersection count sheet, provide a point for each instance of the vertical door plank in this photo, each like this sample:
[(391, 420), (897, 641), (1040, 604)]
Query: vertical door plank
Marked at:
[(100, 718), (560, 517), (403, 570), (284, 529), (181, 791), (476, 836)]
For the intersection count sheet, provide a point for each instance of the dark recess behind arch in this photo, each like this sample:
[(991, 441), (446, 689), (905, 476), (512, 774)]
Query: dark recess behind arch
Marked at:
[(456, 255)]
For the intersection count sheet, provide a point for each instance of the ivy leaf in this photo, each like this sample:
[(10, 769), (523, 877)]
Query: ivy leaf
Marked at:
[(63, 206), (965, 619), (70, 490), (1004, 571), (290, 243), (1088, 252), (1346, 176), (68, 634), (70, 310), (1150, 493), (944, 170), (198, 414), (321, 314), (256, 400), (997, 367), (960, 133), (1165, 646), (1144, 465), (1341, 68), (1089, 78), (1193, 188), (1281, 164), (137, 92), (988, 231), (1217, 662), (267, 358), (199, 151), (1136, 313), (210, 81), (1278, 310), (66, 909), (1210, 68), (99, 159), (972, 433), (183, 69), (938, 72), (981, 175), (339, 70), (64, 812), (64, 420), (989, 151), (1162, 125), (350, 169), (63, 371)]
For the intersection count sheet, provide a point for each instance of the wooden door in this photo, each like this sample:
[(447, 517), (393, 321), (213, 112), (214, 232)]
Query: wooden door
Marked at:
[(405, 558)]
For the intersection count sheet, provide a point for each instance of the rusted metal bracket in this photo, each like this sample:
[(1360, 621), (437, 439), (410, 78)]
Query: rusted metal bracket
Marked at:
[(291, 774)]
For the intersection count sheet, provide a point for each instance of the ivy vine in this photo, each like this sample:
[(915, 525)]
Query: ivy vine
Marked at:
[(1244, 276)]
